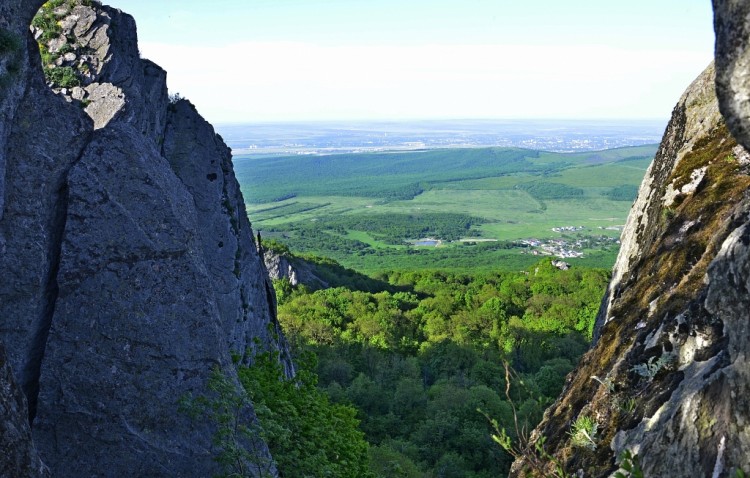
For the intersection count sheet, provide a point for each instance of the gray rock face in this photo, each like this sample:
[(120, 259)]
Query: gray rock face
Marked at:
[(39, 151), (294, 269), (15, 16), (19, 458), (695, 114), (134, 320), (238, 276), (732, 28), (728, 291), (129, 266)]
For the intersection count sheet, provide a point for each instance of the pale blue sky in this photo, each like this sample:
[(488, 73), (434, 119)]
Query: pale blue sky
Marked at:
[(276, 60)]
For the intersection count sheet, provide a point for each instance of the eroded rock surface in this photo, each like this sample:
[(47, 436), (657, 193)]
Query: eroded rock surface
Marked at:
[(694, 116), (240, 282), (283, 265)]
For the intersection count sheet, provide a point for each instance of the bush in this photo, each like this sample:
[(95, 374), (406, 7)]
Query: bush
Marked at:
[(63, 77), (239, 452), (307, 435)]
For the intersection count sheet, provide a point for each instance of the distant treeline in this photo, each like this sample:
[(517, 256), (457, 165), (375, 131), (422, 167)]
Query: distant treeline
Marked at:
[(397, 228), (392, 229), (545, 190), (626, 192), (387, 176)]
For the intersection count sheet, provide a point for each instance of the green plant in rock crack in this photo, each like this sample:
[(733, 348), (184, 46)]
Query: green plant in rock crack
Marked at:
[(606, 381), (653, 366), (630, 466), (627, 406), (583, 433)]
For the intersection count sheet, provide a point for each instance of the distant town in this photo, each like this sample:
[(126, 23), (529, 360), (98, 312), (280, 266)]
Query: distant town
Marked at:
[(338, 138), (564, 247)]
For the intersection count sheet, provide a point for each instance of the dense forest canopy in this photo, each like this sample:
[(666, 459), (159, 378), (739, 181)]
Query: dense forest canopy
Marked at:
[(416, 360)]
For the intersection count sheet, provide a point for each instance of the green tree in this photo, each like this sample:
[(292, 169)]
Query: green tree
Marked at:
[(239, 451), (308, 436)]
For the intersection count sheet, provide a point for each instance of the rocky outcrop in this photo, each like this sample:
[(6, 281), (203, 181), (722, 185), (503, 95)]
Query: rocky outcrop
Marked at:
[(239, 280), (129, 266), (694, 116), (315, 273), (111, 80), (279, 267), (283, 265), (671, 355)]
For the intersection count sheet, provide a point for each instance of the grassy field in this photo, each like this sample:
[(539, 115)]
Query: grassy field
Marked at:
[(361, 209)]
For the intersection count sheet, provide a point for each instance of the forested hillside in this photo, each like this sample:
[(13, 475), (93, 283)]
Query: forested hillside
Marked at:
[(420, 358)]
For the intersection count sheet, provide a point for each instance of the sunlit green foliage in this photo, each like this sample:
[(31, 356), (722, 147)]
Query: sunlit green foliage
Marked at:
[(63, 76), (418, 360), (308, 436)]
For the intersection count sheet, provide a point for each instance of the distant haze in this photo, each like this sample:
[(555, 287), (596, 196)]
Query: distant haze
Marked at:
[(328, 137), (302, 60)]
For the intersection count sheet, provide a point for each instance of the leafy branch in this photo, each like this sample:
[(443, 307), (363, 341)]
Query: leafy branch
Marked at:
[(531, 452)]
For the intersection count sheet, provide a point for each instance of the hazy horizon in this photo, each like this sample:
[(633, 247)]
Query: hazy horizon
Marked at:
[(336, 137), (302, 61), (663, 120)]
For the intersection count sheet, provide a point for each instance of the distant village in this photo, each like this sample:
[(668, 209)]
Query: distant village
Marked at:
[(570, 247)]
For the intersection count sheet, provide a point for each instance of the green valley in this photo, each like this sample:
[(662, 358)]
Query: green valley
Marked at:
[(483, 208), (432, 308)]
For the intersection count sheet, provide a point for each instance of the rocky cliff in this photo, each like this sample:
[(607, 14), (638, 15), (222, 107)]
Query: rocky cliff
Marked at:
[(284, 265), (671, 350), (129, 266)]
